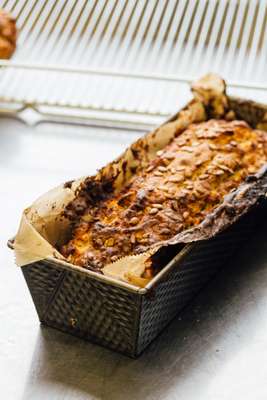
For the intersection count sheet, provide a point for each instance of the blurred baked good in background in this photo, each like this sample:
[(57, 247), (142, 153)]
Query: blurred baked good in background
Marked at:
[(8, 34)]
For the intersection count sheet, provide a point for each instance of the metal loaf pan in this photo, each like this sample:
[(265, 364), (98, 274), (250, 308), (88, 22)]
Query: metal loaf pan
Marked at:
[(123, 317)]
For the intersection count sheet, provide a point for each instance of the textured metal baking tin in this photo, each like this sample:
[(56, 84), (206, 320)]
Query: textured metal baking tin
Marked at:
[(123, 317)]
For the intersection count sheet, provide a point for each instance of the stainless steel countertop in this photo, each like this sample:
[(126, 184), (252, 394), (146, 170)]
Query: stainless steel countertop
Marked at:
[(216, 349)]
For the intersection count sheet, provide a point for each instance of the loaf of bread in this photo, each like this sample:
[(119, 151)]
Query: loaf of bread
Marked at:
[(8, 35), (180, 187)]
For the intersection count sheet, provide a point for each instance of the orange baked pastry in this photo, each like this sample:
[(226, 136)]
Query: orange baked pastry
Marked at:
[(8, 35), (180, 187)]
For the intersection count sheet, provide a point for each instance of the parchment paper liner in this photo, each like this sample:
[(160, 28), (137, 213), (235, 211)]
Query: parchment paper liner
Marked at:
[(42, 226)]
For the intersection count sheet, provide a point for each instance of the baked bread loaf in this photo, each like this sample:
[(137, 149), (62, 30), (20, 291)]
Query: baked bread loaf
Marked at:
[(8, 35), (180, 187)]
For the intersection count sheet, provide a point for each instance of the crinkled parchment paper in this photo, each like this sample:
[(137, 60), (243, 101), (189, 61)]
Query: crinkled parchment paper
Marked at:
[(42, 226)]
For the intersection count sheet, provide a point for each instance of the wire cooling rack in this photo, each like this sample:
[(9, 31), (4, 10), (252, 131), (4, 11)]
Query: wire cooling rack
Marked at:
[(129, 61)]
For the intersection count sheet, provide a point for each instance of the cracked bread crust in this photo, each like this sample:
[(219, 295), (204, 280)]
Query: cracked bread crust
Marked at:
[(185, 183), (8, 35)]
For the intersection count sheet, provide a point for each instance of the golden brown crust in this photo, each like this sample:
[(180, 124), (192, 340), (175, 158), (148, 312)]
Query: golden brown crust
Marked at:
[(180, 187), (8, 35)]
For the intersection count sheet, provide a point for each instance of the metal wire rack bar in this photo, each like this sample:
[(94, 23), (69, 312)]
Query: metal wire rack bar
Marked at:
[(131, 56), (123, 74)]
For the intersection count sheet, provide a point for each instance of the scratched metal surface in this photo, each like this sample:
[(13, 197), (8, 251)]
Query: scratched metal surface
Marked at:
[(216, 349)]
